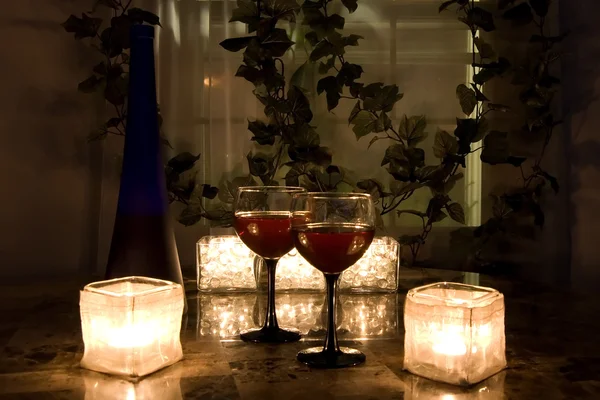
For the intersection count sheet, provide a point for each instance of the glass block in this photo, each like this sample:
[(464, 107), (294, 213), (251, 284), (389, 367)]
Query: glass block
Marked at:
[(368, 316), (131, 325), (454, 332), (224, 317), (224, 264), (376, 271), (294, 273)]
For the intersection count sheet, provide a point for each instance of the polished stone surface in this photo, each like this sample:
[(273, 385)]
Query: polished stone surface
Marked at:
[(552, 348)]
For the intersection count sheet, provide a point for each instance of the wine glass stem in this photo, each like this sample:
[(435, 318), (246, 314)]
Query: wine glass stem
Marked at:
[(271, 317), (331, 342)]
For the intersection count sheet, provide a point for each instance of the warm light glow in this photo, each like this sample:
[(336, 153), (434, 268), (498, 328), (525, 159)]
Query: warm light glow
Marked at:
[(224, 263), (450, 341), (454, 332), (131, 325)]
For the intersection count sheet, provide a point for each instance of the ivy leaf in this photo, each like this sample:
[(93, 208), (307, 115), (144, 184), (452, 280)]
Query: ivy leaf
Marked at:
[(349, 73), (90, 85), (251, 74), (485, 49), (336, 21), (277, 42), (467, 99), (190, 215), (477, 17), (479, 96), (444, 144), (437, 216), (490, 70), (351, 5), (299, 105), (399, 188), (394, 152), (82, 27), (209, 192), (413, 129), (282, 9), (236, 44), (324, 67), (446, 4), (351, 40), (373, 187), (456, 212), (519, 15), (228, 189), (383, 99), (182, 162), (364, 123), (304, 136), (383, 123), (260, 165), (553, 181), (322, 49), (540, 7), (354, 112), (263, 134), (373, 140), (292, 178), (327, 84), (496, 150), (246, 12)]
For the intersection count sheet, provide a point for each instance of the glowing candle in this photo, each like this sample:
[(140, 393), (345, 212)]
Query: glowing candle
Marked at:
[(454, 332), (131, 325)]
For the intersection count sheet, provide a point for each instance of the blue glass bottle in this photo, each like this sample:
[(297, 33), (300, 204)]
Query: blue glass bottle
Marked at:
[(143, 242)]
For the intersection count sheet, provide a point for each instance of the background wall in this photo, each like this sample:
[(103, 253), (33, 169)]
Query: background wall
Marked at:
[(59, 192), (581, 83), (47, 204)]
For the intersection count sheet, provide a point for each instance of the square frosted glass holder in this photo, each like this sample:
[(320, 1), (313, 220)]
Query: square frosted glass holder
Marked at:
[(454, 333), (224, 264), (131, 325)]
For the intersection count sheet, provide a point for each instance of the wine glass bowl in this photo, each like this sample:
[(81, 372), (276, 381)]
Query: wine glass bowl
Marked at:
[(262, 220), (332, 231)]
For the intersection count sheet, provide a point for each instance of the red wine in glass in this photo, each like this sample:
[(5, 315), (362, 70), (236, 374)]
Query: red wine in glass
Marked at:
[(267, 233), (263, 221), (332, 248), (337, 230)]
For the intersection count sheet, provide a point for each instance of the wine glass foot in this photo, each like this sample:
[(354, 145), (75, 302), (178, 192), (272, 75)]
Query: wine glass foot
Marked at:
[(315, 357), (270, 335)]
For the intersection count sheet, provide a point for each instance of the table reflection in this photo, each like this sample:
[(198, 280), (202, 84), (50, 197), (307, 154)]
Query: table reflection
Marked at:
[(424, 389), (373, 316), (164, 385)]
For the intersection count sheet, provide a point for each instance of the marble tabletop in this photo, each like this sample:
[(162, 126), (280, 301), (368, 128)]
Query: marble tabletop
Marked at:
[(552, 342)]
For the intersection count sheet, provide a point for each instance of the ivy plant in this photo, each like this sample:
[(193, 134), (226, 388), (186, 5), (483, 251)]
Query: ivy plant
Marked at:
[(518, 211), (110, 38)]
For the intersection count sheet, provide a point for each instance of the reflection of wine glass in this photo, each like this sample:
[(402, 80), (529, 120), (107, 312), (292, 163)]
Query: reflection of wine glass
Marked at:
[(332, 231), (263, 223)]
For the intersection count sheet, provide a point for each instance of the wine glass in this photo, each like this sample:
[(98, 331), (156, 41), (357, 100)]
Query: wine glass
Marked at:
[(332, 231), (262, 220)]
